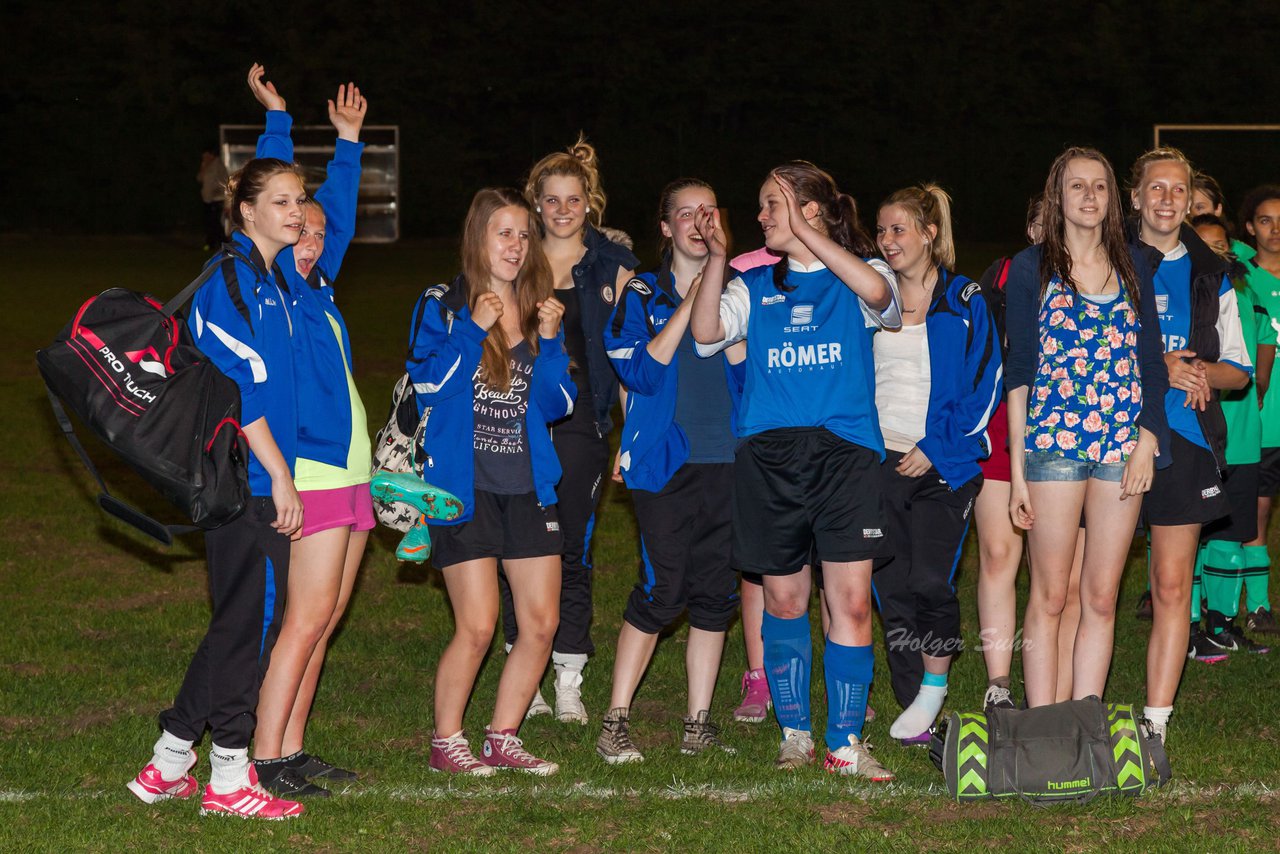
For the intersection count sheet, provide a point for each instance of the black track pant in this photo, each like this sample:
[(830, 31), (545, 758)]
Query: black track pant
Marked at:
[(584, 457), (248, 560), (685, 539), (915, 588)]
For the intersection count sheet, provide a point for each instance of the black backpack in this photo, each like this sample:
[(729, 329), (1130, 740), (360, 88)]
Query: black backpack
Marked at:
[(125, 367)]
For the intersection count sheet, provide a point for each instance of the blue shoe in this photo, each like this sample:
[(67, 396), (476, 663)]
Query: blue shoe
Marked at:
[(407, 488), (415, 546)]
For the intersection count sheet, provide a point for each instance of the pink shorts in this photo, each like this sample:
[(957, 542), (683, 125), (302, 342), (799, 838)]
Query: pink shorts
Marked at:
[(346, 506)]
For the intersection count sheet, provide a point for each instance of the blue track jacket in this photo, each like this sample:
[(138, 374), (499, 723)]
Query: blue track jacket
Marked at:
[(653, 445), (324, 402), (241, 319), (444, 352), (966, 381)]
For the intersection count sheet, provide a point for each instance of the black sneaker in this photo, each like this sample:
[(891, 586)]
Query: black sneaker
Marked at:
[(1200, 648), (1145, 609), (1241, 643), (1263, 620), (285, 782), (313, 767), (998, 697)]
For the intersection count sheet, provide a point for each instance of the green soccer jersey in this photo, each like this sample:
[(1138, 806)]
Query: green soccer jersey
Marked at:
[(1242, 251), (1244, 421), (1264, 289)]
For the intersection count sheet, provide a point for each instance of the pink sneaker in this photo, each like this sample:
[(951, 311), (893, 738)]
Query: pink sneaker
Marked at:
[(150, 787), (251, 801), (453, 756), (504, 750), (756, 702)]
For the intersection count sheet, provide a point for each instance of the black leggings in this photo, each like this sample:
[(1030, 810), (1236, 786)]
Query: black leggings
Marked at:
[(915, 589), (584, 457)]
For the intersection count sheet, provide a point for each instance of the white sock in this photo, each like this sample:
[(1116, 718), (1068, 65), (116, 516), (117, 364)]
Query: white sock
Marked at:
[(569, 661), (922, 712), (172, 756), (230, 769), (1158, 715)]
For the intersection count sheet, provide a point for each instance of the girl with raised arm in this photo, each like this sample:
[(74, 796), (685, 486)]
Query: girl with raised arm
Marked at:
[(677, 460), (332, 472), (808, 473), (487, 356)]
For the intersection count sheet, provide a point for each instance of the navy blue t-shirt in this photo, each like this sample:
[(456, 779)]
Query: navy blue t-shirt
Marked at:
[(703, 408), (503, 463)]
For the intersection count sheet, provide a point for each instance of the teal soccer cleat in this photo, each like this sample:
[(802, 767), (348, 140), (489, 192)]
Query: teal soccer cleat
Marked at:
[(407, 488), (415, 546)]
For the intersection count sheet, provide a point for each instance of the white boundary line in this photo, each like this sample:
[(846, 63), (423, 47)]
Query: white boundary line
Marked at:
[(1178, 792)]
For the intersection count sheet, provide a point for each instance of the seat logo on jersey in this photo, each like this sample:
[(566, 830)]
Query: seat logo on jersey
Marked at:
[(801, 314), (789, 356), (1162, 303), (776, 298)]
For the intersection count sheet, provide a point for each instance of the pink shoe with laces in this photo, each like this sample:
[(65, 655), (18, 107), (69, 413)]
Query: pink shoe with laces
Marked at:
[(453, 756), (504, 750)]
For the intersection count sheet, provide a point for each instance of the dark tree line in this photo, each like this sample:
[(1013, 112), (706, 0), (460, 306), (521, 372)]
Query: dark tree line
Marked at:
[(111, 105)]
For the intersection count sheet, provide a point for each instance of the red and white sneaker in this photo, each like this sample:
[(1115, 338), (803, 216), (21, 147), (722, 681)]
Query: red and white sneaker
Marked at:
[(251, 801), (453, 756), (151, 788), (504, 750)]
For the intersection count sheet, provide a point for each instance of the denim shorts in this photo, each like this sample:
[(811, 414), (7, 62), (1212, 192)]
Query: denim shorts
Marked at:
[(1048, 466)]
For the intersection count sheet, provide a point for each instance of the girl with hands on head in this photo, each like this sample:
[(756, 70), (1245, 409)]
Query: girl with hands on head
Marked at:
[(1205, 352), (808, 395), (332, 471), (938, 380), (487, 355), (1086, 383), (677, 459), (266, 201)]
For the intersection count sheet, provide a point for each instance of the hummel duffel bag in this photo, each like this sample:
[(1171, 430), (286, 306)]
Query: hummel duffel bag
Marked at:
[(1071, 751)]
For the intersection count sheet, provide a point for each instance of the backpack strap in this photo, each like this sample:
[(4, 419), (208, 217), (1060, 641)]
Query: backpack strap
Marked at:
[(113, 506)]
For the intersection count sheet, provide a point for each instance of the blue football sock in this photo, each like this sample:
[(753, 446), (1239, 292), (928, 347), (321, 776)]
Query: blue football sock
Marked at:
[(788, 657), (848, 672)]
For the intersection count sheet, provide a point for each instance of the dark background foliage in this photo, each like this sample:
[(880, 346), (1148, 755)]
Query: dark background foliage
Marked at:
[(109, 105)]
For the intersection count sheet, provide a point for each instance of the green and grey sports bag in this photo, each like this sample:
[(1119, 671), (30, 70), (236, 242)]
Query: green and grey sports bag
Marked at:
[(1072, 751)]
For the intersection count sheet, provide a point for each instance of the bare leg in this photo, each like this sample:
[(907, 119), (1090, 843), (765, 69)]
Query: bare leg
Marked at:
[(535, 587), (999, 555), (848, 596), (1069, 625), (296, 730), (315, 579), (635, 650), (1051, 547), (1109, 534), (702, 663), (1173, 557), (752, 615), (473, 594)]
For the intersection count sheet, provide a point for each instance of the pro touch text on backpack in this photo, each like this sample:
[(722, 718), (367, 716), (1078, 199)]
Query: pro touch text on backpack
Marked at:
[(124, 367)]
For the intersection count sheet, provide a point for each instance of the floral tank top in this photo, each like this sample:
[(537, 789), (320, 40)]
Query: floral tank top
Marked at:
[(1088, 391)]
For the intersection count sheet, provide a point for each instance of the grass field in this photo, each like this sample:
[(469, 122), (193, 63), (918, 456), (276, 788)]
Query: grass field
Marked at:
[(98, 626)]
